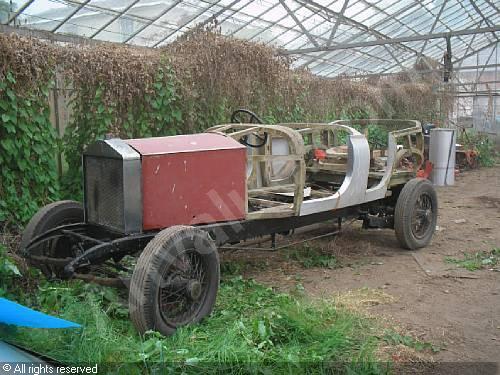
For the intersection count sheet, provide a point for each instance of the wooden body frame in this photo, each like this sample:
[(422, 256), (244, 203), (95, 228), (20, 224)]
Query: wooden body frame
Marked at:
[(405, 139)]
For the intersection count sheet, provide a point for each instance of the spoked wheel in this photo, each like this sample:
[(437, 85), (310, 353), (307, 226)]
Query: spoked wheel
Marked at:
[(415, 217), (175, 281), (49, 217), (184, 288), (422, 216)]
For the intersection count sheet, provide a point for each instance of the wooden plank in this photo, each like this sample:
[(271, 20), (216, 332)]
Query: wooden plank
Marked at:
[(272, 212), (281, 188), (265, 202)]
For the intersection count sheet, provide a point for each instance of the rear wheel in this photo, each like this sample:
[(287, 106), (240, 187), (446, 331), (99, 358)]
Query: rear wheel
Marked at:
[(48, 217), (415, 216), (175, 280)]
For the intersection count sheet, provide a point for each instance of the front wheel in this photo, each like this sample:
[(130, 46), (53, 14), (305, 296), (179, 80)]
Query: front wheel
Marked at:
[(175, 280), (49, 217), (415, 216)]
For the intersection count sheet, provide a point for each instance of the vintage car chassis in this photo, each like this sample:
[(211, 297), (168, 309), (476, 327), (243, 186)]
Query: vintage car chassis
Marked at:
[(353, 199), (296, 175)]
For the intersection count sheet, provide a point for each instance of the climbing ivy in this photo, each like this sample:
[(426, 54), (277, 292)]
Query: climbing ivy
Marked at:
[(90, 121), (159, 114), (28, 145), (156, 114)]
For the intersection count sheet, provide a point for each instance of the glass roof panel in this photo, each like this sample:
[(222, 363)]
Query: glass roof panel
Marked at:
[(322, 30), (86, 22), (288, 24), (150, 35), (345, 32), (255, 7), (369, 17), (148, 9), (302, 40), (393, 7), (275, 14), (392, 28), (414, 17), (45, 17), (104, 5), (250, 31), (335, 6), (355, 8), (117, 31)]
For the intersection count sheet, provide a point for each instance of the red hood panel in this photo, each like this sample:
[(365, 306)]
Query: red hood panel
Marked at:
[(183, 143)]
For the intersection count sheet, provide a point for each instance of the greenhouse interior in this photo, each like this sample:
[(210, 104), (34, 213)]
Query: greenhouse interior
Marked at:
[(237, 186)]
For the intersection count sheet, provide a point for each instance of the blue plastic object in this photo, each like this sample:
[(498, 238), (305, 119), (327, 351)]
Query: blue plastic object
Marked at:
[(16, 314)]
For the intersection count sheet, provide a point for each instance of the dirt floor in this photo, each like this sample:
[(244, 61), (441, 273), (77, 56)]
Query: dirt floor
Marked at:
[(431, 299)]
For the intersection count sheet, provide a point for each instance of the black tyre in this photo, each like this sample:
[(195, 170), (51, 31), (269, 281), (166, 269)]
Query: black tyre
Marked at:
[(175, 280), (49, 217), (415, 217)]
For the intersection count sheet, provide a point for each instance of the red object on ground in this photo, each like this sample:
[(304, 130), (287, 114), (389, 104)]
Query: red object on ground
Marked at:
[(426, 172), (472, 158), (191, 179), (319, 154)]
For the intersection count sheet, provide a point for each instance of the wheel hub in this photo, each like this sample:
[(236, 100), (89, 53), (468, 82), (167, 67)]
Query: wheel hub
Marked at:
[(183, 289), (194, 289), (423, 216), (425, 213)]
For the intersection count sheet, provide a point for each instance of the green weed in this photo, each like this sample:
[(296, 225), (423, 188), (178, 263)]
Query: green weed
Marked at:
[(236, 267), (7, 267), (253, 329), (477, 260), (481, 143), (8, 271), (310, 257), (487, 154), (394, 338)]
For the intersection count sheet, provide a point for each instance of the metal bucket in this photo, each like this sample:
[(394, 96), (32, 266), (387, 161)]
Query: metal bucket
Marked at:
[(442, 156)]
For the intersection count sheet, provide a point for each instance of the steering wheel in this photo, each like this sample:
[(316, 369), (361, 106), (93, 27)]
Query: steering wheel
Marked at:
[(238, 116)]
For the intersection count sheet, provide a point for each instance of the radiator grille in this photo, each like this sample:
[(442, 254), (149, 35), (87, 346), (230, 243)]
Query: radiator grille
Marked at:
[(104, 191)]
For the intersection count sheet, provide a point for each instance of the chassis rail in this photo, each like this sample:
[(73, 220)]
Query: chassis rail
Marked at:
[(106, 245)]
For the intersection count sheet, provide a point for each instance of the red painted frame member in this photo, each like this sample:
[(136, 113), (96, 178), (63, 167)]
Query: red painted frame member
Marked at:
[(191, 179)]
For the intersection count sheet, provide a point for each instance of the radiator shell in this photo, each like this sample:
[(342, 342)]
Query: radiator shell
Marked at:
[(112, 186)]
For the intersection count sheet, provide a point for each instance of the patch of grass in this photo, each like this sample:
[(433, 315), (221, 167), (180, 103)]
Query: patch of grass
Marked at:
[(8, 271), (394, 338), (236, 267), (253, 329), (310, 257), (477, 260)]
